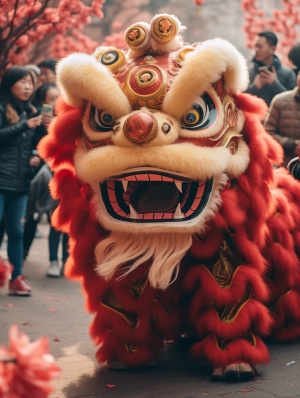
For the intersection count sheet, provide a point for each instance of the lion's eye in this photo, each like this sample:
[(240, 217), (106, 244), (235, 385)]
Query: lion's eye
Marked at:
[(203, 114), (109, 58), (101, 121), (113, 59)]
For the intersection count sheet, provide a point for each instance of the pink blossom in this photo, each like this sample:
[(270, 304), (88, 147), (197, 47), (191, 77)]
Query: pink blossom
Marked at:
[(26, 368), (22, 41)]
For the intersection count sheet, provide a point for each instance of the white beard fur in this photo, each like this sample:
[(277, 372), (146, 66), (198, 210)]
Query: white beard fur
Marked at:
[(166, 251)]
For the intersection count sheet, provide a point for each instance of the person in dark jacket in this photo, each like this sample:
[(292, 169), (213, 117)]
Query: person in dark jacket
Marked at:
[(283, 121), (294, 57), (17, 124), (268, 77)]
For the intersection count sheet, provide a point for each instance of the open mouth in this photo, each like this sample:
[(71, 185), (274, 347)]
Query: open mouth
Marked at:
[(152, 195)]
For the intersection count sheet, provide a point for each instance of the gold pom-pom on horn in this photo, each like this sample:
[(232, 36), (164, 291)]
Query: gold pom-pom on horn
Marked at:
[(137, 36), (164, 28)]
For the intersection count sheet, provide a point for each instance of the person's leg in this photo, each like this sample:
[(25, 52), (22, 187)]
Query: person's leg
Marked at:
[(15, 208), (29, 233), (65, 252), (2, 204), (2, 229), (53, 241)]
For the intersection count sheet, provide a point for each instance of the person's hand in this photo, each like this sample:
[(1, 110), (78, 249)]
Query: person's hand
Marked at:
[(34, 161), (258, 82), (34, 122), (267, 76), (46, 118)]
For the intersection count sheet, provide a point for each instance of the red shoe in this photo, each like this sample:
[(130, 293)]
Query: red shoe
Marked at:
[(18, 287)]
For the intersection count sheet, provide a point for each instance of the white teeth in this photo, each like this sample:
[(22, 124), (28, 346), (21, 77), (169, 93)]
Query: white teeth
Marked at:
[(178, 213), (133, 213), (125, 185), (179, 185)]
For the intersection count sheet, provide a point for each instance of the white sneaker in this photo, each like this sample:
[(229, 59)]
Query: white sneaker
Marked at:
[(53, 270)]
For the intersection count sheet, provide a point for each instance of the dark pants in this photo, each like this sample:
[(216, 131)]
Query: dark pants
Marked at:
[(29, 234), (53, 241), (13, 206)]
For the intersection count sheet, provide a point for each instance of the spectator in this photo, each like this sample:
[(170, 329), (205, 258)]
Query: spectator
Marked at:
[(17, 124), (268, 76), (47, 68), (283, 121), (35, 72), (294, 57), (39, 200)]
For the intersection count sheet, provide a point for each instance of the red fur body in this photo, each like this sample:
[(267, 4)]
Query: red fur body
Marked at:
[(257, 226)]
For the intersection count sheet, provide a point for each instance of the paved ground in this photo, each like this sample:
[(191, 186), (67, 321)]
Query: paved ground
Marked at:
[(56, 309)]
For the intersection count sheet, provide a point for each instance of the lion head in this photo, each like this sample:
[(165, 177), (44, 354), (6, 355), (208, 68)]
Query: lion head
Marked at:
[(160, 136)]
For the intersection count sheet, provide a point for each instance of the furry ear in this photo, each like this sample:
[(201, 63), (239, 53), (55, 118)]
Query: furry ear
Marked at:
[(80, 77), (202, 67)]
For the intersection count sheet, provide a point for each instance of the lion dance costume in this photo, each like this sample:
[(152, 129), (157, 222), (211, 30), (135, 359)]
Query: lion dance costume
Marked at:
[(178, 222)]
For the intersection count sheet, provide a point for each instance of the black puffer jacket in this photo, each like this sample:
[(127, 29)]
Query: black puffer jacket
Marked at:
[(16, 144)]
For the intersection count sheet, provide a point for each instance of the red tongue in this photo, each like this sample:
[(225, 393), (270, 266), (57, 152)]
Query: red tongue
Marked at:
[(138, 127)]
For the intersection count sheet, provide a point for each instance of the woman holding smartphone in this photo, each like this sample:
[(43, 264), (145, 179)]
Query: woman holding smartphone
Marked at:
[(40, 200), (17, 125)]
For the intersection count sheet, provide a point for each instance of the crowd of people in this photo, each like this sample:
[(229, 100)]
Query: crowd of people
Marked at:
[(279, 87), (27, 102)]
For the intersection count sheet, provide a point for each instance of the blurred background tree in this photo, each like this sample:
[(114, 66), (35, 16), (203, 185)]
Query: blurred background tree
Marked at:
[(26, 23), (32, 30)]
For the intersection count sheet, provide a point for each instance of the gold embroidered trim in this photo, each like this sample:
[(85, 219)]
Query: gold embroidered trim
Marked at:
[(131, 347), (138, 287), (229, 313), (222, 344), (225, 267), (110, 301)]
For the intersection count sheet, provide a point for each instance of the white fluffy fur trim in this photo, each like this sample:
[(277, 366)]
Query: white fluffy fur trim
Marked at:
[(193, 161), (165, 250), (239, 162), (204, 66), (80, 77)]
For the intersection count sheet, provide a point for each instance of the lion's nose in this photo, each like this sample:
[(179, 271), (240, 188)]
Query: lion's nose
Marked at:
[(140, 127)]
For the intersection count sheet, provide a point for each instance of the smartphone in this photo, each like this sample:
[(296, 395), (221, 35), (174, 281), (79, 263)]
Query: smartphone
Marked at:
[(46, 109), (260, 68)]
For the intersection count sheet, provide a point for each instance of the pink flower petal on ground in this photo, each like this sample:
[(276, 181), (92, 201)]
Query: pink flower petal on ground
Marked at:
[(52, 309), (56, 339), (9, 305), (26, 369), (110, 385), (49, 298), (248, 390)]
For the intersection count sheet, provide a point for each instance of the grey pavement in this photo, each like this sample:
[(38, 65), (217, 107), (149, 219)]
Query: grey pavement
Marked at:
[(56, 309)]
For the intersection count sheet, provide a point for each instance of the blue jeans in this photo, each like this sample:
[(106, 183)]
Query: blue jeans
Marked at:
[(53, 242), (13, 206)]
